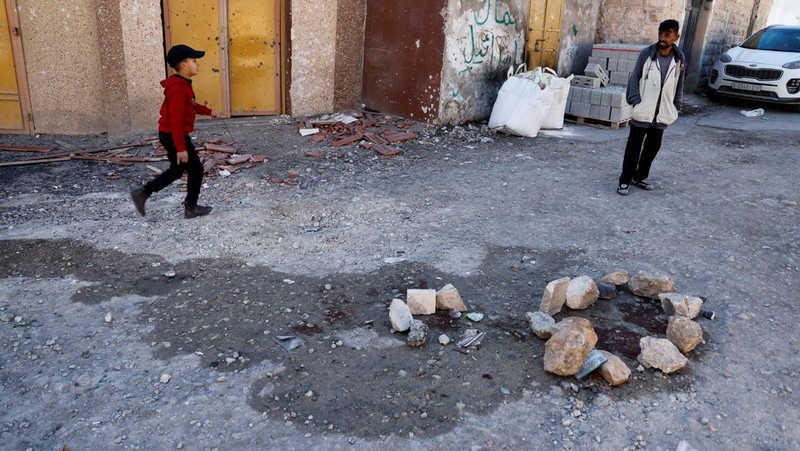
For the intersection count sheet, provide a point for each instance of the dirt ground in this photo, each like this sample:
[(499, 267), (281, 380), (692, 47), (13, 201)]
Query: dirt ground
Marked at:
[(123, 332)]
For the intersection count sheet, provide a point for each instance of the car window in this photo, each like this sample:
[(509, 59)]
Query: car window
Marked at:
[(779, 40)]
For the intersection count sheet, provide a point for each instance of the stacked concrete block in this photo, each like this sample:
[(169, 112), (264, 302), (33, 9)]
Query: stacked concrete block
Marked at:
[(595, 70), (618, 60), (604, 104)]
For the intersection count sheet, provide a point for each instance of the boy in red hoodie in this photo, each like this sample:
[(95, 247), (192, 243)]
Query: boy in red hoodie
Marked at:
[(176, 122)]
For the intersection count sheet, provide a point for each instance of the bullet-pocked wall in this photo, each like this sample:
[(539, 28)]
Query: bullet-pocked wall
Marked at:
[(483, 38), (92, 65), (327, 51)]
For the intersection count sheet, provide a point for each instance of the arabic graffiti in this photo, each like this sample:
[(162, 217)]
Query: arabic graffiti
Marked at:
[(493, 44), (505, 20)]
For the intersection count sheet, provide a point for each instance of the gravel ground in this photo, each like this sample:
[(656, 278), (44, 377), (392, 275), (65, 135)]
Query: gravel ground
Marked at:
[(118, 331)]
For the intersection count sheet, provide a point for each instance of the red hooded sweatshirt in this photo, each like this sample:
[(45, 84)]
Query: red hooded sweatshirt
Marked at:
[(179, 109)]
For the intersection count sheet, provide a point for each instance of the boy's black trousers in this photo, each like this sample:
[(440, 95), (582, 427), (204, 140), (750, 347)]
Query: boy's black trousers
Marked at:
[(642, 148), (194, 169)]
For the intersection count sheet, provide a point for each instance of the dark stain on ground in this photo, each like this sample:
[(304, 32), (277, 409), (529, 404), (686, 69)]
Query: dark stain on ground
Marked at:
[(228, 314)]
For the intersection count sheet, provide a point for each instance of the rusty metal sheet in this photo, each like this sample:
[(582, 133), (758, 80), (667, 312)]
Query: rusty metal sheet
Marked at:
[(403, 57)]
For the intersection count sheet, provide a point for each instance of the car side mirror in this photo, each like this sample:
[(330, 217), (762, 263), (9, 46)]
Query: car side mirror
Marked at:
[(737, 44)]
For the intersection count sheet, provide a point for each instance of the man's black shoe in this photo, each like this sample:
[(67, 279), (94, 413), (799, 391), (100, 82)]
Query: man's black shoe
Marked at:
[(197, 210), (139, 197)]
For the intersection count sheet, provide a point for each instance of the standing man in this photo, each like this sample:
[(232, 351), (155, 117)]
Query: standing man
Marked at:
[(655, 90)]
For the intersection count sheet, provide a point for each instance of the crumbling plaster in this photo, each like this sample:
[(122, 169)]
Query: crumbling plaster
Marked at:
[(483, 38), (313, 36)]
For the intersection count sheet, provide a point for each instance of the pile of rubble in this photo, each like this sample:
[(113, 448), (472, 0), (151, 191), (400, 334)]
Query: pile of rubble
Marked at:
[(218, 157), (570, 347), (371, 131), (569, 350)]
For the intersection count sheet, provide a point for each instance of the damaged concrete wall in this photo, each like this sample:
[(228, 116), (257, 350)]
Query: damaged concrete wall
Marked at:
[(483, 38), (142, 34), (62, 60), (313, 36), (636, 22), (578, 28), (349, 65), (93, 66)]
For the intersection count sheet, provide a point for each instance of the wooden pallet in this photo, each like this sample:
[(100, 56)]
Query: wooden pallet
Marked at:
[(599, 123)]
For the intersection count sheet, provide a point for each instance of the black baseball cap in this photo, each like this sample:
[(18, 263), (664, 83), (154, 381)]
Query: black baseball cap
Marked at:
[(180, 52)]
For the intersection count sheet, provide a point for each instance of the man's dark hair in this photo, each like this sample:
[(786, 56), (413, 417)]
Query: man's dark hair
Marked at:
[(669, 25)]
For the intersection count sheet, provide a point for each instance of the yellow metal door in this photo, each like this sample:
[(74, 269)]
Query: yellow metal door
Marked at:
[(196, 23), (13, 117), (240, 73), (254, 56), (544, 29)]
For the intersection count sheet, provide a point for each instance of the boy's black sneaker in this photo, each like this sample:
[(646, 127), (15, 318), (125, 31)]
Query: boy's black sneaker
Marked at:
[(197, 210), (644, 184), (622, 189), (139, 197)]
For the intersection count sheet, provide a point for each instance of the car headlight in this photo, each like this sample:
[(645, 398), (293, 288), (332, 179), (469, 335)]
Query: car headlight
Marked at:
[(725, 58), (792, 65)]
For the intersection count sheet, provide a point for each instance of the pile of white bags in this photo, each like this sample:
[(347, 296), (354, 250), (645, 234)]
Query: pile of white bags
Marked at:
[(529, 101)]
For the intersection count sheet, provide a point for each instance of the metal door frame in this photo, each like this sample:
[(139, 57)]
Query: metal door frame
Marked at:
[(15, 35), (281, 14)]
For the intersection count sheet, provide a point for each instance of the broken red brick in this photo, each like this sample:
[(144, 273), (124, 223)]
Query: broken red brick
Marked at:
[(220, 148), (314, 154), (348, 140), (238, 159), (395, 137), (258, 158)]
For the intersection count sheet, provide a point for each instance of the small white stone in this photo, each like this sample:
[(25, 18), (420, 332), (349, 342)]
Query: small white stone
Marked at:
[(171, 273), (109, 318), (444, 340), (165, 378)]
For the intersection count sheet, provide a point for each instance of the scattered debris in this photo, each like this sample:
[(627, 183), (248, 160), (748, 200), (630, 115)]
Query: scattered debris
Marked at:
[(541, 324), (109, 318), (648, 285), (614, 370), (448, 298), (554, 297), (680, 304), (369, 130), (444, 340), (684, 333), (573, 338), (618, 277), (421, 302), (400, 315), (582, 292), (289, 342), (592, 362), (165, 378), (417, 334), (474, 316), (471, 340), (708, 314), (660, 353)]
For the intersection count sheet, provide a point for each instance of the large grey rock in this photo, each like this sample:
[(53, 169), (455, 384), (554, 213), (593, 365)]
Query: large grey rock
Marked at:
[(661, 354), (555, 294), (649, 285), (417, 334), (684, 333), (541, 324), (680, 304), (421, 302), (566, 350), (614, 370), (448, 298), (581, 293), (607, 290), (400, 315), (618, 277)]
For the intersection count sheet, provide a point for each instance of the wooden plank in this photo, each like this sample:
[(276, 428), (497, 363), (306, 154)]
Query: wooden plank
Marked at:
[(599, 123), (36, 161), (11, 148)]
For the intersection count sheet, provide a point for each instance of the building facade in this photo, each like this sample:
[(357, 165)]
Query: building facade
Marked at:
[(94, 66)]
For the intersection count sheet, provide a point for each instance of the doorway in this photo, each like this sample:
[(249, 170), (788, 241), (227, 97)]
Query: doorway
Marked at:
[(241, 73), (15, 106), (544, 30)]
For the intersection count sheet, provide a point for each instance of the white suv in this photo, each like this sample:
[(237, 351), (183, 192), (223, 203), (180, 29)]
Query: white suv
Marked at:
[(765, 67)]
